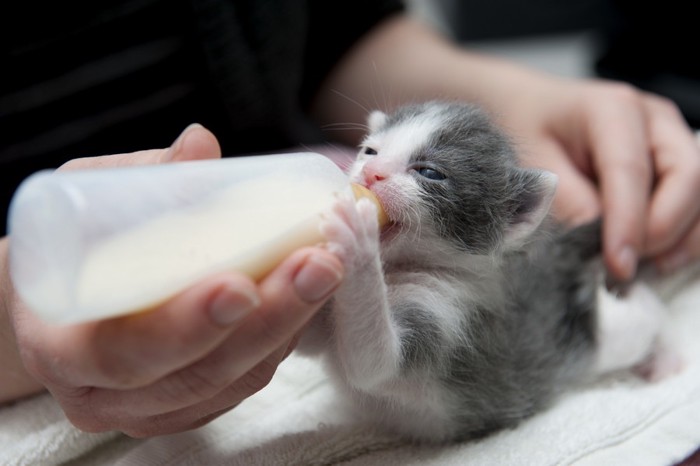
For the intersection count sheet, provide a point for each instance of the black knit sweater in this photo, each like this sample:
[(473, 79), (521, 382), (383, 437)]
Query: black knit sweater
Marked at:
[(83, 78)]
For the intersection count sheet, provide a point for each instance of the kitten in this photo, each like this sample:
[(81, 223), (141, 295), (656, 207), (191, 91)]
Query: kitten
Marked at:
[(472, 310)]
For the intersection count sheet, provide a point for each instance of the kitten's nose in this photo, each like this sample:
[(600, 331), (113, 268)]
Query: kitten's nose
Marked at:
[(372, 175)]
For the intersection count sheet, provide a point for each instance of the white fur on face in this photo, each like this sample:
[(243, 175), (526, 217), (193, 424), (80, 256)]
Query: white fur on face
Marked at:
[(396, 144)]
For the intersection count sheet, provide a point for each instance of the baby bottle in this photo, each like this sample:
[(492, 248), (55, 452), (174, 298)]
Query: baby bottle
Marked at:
[(97, 243)]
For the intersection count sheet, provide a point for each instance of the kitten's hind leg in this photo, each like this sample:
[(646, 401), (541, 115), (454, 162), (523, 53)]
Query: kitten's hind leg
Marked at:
[(631, 334)]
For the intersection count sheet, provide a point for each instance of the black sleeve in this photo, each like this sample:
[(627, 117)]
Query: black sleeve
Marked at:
[(333, 28), (117, 78)]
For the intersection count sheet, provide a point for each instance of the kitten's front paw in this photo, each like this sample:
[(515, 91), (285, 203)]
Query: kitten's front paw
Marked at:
[(352, 231)]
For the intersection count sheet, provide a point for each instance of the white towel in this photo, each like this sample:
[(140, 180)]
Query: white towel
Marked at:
[(297, 420), (35, 432)]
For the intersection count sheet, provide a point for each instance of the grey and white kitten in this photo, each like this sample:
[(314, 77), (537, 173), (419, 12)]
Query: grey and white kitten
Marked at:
[(472, 310)]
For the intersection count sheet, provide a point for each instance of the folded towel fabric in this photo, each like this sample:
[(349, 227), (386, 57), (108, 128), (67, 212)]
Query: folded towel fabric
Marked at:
[(298, 419)]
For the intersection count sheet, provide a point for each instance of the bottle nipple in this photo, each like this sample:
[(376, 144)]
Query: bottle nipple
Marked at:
[(361, 192)]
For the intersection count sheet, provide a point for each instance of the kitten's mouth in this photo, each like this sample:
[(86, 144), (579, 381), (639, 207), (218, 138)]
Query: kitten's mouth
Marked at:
[(361, 190), (389, 228)]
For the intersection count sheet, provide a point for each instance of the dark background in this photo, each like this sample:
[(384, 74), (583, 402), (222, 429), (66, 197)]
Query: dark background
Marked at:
[(653, 45)]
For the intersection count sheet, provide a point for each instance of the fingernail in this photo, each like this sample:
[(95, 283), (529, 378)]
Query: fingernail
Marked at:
[(673, 262), (627, 262), (179, 143), (317, 278), (230, 305)]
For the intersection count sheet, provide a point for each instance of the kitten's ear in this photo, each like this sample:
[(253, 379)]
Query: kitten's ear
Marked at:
[(536, 188), (376, 120)]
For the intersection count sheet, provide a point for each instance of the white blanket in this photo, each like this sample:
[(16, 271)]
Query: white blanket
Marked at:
[(297, 420)]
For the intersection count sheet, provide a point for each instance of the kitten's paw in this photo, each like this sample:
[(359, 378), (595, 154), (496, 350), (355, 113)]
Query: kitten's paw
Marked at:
[(628, 328), (352, 231)]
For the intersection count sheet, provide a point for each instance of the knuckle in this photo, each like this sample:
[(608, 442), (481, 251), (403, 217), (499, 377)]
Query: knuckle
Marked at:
[(659, 234), (255, 380), (271, 331), (88, 418), (115, 373), (663, 105), (39, 357), (169, 423), (47, 370), (88, 423), (622, 93), (638, 168), (34, 363), (195, 383), (160, 424), (631, 166)]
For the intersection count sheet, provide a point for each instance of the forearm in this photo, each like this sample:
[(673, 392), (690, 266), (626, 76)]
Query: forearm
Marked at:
[(404, 60), (15, 381)]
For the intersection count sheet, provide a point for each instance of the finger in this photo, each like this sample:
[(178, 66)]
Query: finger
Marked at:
[(110, 410), (143, 157), (194, 143), (617, 132), (674, 206), (686, 251), (576, 200), (291, 294), (136, 350)]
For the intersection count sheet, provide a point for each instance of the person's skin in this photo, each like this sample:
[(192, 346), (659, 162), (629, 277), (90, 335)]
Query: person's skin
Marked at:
[(172, 368), (618, 152)]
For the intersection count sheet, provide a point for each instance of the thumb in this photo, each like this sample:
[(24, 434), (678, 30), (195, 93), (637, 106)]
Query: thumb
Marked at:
[(194, 143)]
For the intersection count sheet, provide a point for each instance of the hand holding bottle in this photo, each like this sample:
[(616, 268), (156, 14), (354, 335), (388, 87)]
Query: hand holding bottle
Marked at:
[(182, 364)]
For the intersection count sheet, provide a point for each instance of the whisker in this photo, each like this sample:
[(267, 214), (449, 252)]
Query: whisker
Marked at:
[(345, 127), (351, 100)]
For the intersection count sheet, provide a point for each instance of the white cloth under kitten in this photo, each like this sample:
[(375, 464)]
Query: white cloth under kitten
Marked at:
[(295, 421)]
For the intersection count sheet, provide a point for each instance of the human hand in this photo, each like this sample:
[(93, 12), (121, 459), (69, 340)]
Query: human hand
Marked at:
[(188, 361), (620, 153)]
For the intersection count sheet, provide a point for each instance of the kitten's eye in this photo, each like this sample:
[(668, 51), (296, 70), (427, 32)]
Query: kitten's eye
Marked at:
[(369, 151), (430, 173)]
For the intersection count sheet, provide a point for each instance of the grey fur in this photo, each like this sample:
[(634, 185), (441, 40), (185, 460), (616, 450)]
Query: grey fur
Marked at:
[(528, 309), (521, 355), (485, 189)]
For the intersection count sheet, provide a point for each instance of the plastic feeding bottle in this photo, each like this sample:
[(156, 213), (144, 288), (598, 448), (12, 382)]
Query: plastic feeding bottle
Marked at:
[(92, 244)]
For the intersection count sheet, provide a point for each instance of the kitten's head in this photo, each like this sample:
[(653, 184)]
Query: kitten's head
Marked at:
[(446, 167)]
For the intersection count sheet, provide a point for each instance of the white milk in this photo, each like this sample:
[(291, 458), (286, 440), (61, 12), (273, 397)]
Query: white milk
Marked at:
[(147, 264)]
